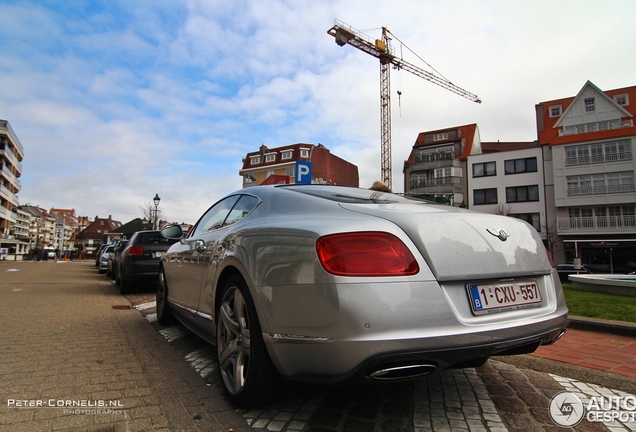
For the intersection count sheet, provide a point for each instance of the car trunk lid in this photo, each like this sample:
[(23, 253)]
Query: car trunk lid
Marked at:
[(460, 244)]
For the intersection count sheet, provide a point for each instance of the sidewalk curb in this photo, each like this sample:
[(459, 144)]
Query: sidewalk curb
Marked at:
[(621, 328)]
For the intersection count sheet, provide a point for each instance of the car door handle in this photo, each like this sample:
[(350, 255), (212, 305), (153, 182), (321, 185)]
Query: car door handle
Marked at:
[(200, 245)]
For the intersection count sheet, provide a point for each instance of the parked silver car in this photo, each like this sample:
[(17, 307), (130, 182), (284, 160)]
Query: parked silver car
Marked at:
[(328, 283), (103, 258)]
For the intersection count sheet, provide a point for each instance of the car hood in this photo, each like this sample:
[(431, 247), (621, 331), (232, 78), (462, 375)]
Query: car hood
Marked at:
[(460, 244)]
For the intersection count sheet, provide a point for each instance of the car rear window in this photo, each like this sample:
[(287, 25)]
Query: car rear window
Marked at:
[(153, 238), (352, 195)]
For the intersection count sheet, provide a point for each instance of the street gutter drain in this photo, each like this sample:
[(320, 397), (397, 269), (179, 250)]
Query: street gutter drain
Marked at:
[(121, 307)]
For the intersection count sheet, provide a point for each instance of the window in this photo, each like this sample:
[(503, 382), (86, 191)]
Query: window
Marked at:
[(286, 154), (532, 218), (485, 196), (226, 212), (214, 217), (622, 99), (241, 209), (249, 178), (597, 153), (304, 153), (440, 136), (516, 166), (255, 160), (485, 169), (522, 193), (589, 104), (555, 110), (270, 157)]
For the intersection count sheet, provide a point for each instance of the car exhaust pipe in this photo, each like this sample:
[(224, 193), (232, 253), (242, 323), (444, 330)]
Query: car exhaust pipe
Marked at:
[(561, 333), (403, 372)]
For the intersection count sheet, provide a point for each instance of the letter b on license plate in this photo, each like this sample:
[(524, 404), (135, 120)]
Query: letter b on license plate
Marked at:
[(491, 298)]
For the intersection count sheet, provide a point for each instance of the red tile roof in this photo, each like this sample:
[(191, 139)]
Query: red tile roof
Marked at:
[(548, 134)]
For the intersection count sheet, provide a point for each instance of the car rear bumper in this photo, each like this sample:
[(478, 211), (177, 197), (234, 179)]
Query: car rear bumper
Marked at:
[(308, 359)]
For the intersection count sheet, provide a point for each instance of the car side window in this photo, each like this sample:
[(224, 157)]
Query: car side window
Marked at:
[(215, 216), (241, 209)]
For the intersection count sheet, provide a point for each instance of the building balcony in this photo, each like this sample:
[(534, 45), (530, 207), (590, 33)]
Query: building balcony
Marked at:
[(596, 127), (8, 154), (601, 190), (588, 160), (597, 225), (436, 186)]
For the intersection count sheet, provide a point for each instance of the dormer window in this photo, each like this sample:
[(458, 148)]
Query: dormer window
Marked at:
[(304, 153), (555, 111), (286, 154), (255, 160), (622, 99), (440, 136), (589, 105), (270, 157)]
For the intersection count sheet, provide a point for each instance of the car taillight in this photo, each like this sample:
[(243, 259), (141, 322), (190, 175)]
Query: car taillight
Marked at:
[(136, 250), (366, 253), (550, 258)]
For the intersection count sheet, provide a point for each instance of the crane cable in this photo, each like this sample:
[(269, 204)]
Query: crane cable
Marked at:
[(416, 55)]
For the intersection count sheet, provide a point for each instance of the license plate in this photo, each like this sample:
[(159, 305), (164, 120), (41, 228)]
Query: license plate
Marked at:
[(491, 298), (159, 254)]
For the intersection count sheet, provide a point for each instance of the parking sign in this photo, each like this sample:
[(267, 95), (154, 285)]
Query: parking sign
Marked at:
[(303, 172)]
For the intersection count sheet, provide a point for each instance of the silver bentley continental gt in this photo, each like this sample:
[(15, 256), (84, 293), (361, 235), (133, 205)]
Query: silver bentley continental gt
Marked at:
[(328, 283)]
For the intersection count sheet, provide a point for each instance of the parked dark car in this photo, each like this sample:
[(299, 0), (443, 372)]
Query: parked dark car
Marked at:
[(139, 261), (566, 270), (113, 263)]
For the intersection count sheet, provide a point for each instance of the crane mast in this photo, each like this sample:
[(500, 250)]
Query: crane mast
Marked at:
[(381, 49)]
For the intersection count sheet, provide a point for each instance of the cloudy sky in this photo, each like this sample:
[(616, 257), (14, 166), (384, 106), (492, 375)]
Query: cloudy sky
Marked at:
[(115, 101)]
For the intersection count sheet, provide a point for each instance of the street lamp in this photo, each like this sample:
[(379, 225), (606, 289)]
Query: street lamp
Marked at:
[(156, 200)]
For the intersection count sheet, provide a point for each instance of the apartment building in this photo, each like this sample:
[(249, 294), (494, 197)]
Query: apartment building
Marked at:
[(587, 141), (436, 167), (11, 155), (66, 228), (277, 165), (507, 179), (42, 229)]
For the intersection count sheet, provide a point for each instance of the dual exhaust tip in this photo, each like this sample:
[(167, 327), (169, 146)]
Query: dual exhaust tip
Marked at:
[(402, 372)]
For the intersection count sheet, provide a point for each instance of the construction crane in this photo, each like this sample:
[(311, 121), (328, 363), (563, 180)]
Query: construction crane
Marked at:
[(381, 49)]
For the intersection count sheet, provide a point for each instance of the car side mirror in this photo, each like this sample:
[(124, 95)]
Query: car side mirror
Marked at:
[(172, 232)]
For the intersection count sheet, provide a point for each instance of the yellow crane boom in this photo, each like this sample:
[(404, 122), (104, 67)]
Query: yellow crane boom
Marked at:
[(381, 49)]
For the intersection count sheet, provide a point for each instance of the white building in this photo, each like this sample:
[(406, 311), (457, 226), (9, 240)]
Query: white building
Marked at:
[(507, 179)]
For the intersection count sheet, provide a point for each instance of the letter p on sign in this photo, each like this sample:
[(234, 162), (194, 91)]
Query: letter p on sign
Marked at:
[(303, 172)]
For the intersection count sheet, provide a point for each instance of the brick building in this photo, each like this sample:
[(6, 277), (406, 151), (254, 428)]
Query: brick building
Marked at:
[(277, 165)]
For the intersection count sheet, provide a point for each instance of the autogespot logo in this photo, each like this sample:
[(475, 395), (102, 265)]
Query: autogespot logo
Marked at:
[(567, 409)]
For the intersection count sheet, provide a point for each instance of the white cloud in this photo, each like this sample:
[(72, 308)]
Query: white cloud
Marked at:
[(117, 101)]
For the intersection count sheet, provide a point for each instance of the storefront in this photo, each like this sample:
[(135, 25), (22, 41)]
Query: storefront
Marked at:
[(603, 256), (11, 249)]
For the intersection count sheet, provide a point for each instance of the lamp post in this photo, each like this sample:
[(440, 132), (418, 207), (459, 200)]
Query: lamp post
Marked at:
[(156, 200)]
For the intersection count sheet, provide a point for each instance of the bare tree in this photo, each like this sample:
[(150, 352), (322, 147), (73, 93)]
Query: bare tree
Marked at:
[(552, 239), (148, 211)]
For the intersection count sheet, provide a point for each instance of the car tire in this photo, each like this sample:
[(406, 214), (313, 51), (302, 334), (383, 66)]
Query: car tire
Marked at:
[(164, 312), (247, 373)]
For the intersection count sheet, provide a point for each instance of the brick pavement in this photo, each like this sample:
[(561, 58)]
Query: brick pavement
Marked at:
[(69, 338), (595, 350), (66, 339)]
